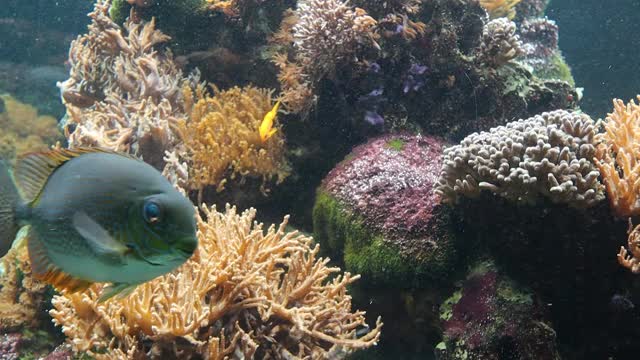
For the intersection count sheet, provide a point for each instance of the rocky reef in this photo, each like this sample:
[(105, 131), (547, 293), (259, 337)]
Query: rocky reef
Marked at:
[(435, 150)]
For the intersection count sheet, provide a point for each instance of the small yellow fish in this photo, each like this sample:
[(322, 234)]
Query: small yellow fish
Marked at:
[(266, 129)]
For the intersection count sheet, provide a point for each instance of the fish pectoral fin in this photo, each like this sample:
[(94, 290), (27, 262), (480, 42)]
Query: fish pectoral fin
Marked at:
[(21, 241), (118, 289), (265, 135), (42, 268), (98, 238)]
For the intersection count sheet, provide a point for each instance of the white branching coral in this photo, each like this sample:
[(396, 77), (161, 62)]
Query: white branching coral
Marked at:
[(499, 44), (122, 93), (547, 155), (317, 36), (245, 293), (327, 32)]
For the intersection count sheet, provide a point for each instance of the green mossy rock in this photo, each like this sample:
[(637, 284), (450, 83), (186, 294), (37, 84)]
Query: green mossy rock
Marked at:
[(345, 238), (556, 69)]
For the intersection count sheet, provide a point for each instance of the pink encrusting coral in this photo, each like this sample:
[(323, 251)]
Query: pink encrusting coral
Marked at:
[(492, 314), (389, 182)]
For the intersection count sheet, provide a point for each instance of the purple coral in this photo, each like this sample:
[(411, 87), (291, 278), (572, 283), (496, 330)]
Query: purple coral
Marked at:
[(389, 181), (373, 118), (62, 352), (476, 306), (371, 103), (415, 78)]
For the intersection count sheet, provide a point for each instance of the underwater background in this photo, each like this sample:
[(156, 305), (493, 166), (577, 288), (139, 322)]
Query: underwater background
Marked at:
[(399, 179)]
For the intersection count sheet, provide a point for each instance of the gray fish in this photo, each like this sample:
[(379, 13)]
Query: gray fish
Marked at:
[(95, 216)]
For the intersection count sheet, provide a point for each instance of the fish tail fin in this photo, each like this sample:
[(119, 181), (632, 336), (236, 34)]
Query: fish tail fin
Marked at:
[(9, 203)]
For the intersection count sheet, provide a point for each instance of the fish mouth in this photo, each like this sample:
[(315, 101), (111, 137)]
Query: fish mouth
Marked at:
[(186, 247), (141, 255)]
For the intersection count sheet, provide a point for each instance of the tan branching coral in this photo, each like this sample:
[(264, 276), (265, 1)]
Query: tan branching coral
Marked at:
[(500, 8), (23, 130), (244, 294), (618, 157), (22, 298), (222, 141), (296, 92), (123, 94)]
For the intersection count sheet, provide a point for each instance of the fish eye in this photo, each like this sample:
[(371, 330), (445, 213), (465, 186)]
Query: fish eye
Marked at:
[(151, 212)]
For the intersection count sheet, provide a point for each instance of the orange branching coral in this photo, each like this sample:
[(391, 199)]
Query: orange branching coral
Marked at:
[(631, 262), (618, 157), (230, 8), (22, 298), (244, 294), (296, 92), (500, 8), (222, 140), (283, 36), (23, 130), (297, 95)]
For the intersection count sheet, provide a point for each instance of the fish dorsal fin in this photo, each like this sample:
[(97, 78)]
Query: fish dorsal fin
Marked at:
[(33, 170), (98, 238), (45, 270)]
